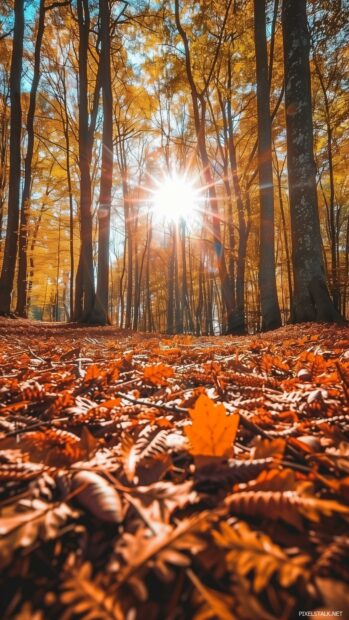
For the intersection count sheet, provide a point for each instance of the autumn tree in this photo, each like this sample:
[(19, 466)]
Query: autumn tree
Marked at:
[(311, 298)]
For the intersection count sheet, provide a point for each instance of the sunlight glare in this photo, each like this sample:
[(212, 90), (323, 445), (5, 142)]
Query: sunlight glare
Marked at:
[(175, 199)]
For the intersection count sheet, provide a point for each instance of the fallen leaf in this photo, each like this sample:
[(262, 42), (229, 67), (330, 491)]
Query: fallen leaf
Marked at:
[(212, 432), (157, 374)]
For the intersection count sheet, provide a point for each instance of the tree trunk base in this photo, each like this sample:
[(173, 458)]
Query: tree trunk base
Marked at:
[(236, 323), (270, 324), (95, 317), (319, 308), (9, 315)]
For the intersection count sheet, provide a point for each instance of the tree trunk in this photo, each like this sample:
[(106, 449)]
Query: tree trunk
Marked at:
[(11, 243), (149, 315), (100, 313), (170, 286), (311, 301), (237, 319), (178, 315), (129, 237), (3, 161), (21, 308), (186, 310), (284, 230), (270, 310), (333, 224), (84, 290)]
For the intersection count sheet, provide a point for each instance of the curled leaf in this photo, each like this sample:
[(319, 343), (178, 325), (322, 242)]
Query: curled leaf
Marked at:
[(97, 496)]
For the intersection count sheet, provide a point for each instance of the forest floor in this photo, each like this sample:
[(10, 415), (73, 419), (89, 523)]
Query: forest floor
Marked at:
[(173, 478)]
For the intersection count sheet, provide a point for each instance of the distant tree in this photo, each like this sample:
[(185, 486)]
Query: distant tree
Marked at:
[(311, 301)]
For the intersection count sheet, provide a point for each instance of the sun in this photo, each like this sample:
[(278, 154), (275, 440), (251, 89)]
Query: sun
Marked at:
[(175, 199)]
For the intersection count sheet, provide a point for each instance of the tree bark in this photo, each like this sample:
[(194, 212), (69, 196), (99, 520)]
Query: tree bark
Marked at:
[(311, 301)]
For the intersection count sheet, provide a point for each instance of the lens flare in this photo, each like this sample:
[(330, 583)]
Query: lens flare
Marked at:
[(175, 198)]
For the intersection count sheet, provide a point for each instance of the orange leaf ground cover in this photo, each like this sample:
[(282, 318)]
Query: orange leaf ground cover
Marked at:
[(173, 478)]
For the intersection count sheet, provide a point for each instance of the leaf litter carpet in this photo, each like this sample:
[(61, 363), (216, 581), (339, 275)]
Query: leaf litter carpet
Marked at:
[(173, 478)]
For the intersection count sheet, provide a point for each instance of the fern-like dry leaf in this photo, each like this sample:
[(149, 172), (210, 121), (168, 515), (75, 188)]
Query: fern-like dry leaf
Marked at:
[(134, 452), (85, 598), (215, 604), (249, 550), (22, 530), (288, 506)]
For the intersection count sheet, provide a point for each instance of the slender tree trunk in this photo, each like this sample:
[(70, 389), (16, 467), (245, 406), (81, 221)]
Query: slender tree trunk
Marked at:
[(284, 230), (84, 290), (237, 323), (311, 300), (129, 237), (346, 264), (170, 287), (178, 329), (187, 316), (121, 285), (149, 317), (32, 247), (71, 231), (136, 292), (65, 120), (100, 313), (200, 300), (21, 308), (270, 310), (140, 288), (333, 228), (3, 166), (56, 313), (11, 242)]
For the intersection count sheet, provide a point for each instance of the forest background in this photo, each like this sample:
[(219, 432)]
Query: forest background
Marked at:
[(103, 104)]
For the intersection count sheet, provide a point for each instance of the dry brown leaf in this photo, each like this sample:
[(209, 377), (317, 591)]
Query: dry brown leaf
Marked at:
[(98, 496)]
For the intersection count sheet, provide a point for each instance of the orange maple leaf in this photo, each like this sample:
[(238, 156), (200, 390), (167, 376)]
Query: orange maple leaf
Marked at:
[(212, 432), (158, 374), (92, 373), (110, 404)]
